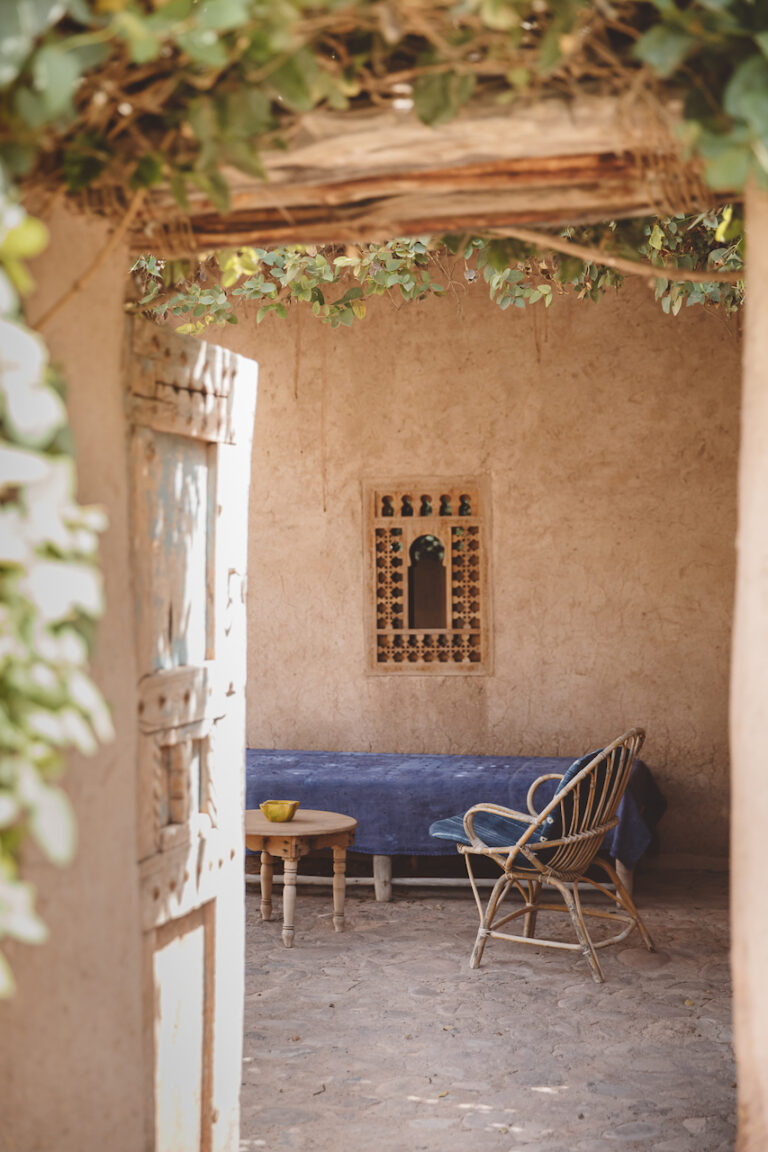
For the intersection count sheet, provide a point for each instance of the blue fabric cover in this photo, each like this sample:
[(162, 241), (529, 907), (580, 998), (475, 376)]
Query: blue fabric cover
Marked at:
[(395, 798), (494, 830), (554, 822)]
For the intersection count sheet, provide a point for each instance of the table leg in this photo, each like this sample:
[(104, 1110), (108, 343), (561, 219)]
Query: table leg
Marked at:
[(382, 877), (266, 886), (290, 867), (339, 886)]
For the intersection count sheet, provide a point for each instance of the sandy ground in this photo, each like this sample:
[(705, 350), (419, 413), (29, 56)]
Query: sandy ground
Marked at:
[(382, 1039)]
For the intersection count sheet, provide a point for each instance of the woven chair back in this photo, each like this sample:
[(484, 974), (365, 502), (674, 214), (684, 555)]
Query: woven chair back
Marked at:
[(583, 809)]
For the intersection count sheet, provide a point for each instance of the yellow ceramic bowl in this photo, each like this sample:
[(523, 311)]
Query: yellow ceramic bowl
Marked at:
[(279, 810)]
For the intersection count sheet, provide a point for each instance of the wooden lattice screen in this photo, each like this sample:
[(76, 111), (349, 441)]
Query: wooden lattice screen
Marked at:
[(442, 627)]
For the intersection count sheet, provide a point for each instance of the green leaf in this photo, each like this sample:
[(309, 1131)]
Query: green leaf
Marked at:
[(746, 95), (519, 77), (722, 228), (223, 14), (55, 74), (245, 157), (215, 187), (143, 42), (169, 15), (729, 168), (15, 45), (203, 47), (656, 239), (245, 113), (761, 39), (327, 87), (354, 293), (663, 48), (291, 81), (89, 56), (437, 98), (148, 171), (30, 107), (569, 268), (549, 52), (21, 22), (462, 88), (500, 15), (84, 161)]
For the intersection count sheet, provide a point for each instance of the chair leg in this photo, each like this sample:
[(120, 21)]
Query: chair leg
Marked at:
[(484, 931), (626, 902), (529, 923), (573, 904)]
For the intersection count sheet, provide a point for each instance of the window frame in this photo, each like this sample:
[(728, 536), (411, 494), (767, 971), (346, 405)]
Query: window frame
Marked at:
[(443, 527)]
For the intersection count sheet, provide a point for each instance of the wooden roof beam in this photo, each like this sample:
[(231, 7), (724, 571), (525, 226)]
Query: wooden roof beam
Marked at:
[(373, 175)]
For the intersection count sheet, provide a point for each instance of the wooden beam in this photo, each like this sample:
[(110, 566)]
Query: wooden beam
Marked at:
[(373, 175)]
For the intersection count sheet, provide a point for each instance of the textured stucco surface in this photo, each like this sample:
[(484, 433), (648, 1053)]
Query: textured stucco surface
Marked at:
[(749, 695), (70, 1041), (608, 436)]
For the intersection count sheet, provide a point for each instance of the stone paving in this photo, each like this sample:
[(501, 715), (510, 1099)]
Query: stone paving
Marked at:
[(382, 1039)]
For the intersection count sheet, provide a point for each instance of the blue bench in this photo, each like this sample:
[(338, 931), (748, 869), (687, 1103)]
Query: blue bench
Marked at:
[(395, 798)]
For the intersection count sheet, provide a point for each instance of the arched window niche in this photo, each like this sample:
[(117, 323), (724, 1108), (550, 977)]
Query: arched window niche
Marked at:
[(426, 583), (427, 608)]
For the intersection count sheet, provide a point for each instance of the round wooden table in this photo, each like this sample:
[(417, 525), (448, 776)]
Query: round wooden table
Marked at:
[(290, 840)]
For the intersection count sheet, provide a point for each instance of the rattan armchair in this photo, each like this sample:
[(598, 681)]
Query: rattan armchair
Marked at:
[(554, 848)]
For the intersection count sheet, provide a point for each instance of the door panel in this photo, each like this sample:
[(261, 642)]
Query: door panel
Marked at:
[(191, 408)]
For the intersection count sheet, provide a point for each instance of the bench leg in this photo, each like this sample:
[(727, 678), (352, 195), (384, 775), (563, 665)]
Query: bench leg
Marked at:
[(382, 878), (626, 875)]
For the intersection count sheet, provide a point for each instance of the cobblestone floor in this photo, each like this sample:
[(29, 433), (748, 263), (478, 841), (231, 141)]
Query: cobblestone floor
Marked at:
[(382, 1039)]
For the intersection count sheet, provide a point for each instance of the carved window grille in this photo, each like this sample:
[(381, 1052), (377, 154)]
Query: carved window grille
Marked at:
[(429, 601)]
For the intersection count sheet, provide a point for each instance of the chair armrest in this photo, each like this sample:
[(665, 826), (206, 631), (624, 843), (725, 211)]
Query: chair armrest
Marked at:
[(534, 786), (497, 810)]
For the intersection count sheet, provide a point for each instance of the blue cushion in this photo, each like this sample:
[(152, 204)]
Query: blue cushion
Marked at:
[(494, 830), (553, 824)]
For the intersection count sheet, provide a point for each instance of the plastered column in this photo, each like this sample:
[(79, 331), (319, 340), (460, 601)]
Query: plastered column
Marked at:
[(749, 692), (70, 1040)]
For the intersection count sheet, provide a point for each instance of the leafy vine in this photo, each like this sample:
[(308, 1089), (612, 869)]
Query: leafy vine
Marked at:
[(336, 283), (136, 92)]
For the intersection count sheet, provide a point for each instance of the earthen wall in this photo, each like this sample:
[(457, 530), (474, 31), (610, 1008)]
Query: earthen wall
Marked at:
[(608, 436)]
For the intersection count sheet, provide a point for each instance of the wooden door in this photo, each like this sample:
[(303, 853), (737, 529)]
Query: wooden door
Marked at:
[(190, 412)]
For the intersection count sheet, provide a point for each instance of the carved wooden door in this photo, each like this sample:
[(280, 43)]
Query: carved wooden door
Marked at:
[(190, 412)]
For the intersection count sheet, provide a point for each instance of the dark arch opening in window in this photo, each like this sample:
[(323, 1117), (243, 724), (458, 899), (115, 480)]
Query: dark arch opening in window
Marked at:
[(426, 584)]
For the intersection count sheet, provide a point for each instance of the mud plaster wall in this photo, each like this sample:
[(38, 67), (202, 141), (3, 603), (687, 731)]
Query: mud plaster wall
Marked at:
[(749, 689), (70, 1041), (608, 435)]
